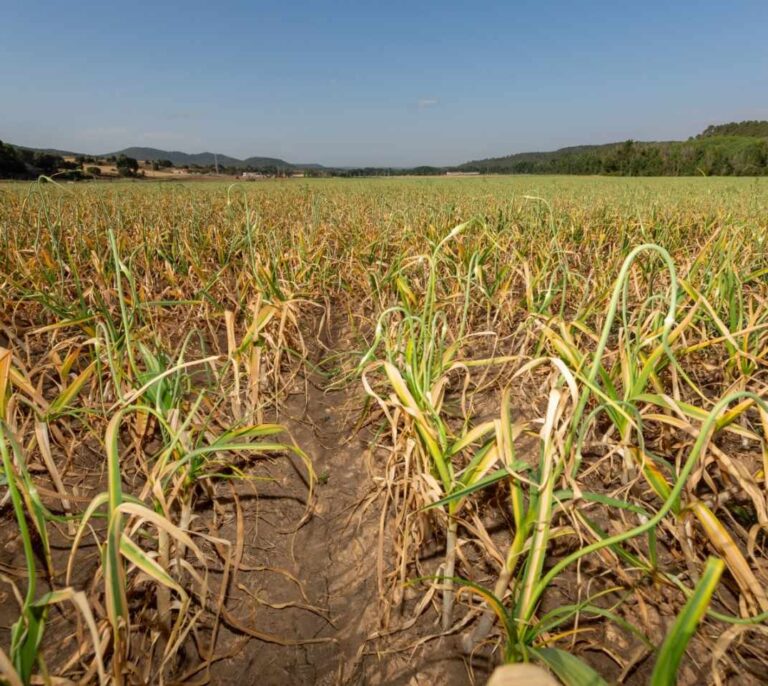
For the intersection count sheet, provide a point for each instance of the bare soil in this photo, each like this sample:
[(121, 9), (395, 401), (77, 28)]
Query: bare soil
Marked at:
[(316, 589)]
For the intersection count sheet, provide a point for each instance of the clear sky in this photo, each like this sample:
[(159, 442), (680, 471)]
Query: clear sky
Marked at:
[(384, 83)]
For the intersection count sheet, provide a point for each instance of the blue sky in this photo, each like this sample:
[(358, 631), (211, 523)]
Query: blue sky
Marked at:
[(385, 83)]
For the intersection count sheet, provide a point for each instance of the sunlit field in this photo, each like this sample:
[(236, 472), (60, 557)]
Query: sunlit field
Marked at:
[(490, 419)]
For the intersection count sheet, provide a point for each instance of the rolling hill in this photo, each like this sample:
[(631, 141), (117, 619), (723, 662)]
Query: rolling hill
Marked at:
[(49, 151), (203, 159), (737, 148), (181, 159)]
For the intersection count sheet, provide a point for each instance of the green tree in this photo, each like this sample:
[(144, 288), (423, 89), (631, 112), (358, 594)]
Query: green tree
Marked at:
[(126, 166), (11, 164)]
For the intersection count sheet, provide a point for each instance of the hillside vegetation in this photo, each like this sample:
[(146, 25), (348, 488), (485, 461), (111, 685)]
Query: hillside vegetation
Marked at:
[(736, 149), (24, 163), (752, 128)]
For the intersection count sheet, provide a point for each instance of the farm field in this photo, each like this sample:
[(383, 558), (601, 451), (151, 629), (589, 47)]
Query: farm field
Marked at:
[(384, 431)]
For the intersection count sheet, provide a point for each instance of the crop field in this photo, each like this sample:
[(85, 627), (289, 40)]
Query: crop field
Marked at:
[(390, 431)]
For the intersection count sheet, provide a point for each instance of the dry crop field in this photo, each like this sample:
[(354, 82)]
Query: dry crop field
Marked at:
[(384, 431)]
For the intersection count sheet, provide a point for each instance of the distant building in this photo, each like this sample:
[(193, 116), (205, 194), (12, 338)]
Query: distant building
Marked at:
[(462, 173), (252, 176)]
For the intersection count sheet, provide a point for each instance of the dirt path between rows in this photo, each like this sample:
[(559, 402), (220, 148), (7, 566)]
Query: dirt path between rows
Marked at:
[(313, 586), (317, 586)]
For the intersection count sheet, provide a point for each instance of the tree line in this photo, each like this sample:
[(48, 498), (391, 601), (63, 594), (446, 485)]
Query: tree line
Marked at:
[(732, 149), (707, 156), (20, 163), (752, 127)]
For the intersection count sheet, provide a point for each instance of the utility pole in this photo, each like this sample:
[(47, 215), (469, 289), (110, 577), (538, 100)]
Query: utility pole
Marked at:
[(216, 163)]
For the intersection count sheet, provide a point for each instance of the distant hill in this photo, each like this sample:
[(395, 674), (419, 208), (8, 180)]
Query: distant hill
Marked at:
[(739, 149), (538, 157), (267, 162), (181, 159), (531, 162), (203, 159), (49, 151)]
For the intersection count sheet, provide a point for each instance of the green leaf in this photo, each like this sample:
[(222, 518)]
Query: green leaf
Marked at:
[(571, 670), (137, 556), (565, 613), (70, 392), (671, 651), (492, 478)]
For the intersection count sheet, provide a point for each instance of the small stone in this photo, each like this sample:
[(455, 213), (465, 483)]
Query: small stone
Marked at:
[(13, 545)]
